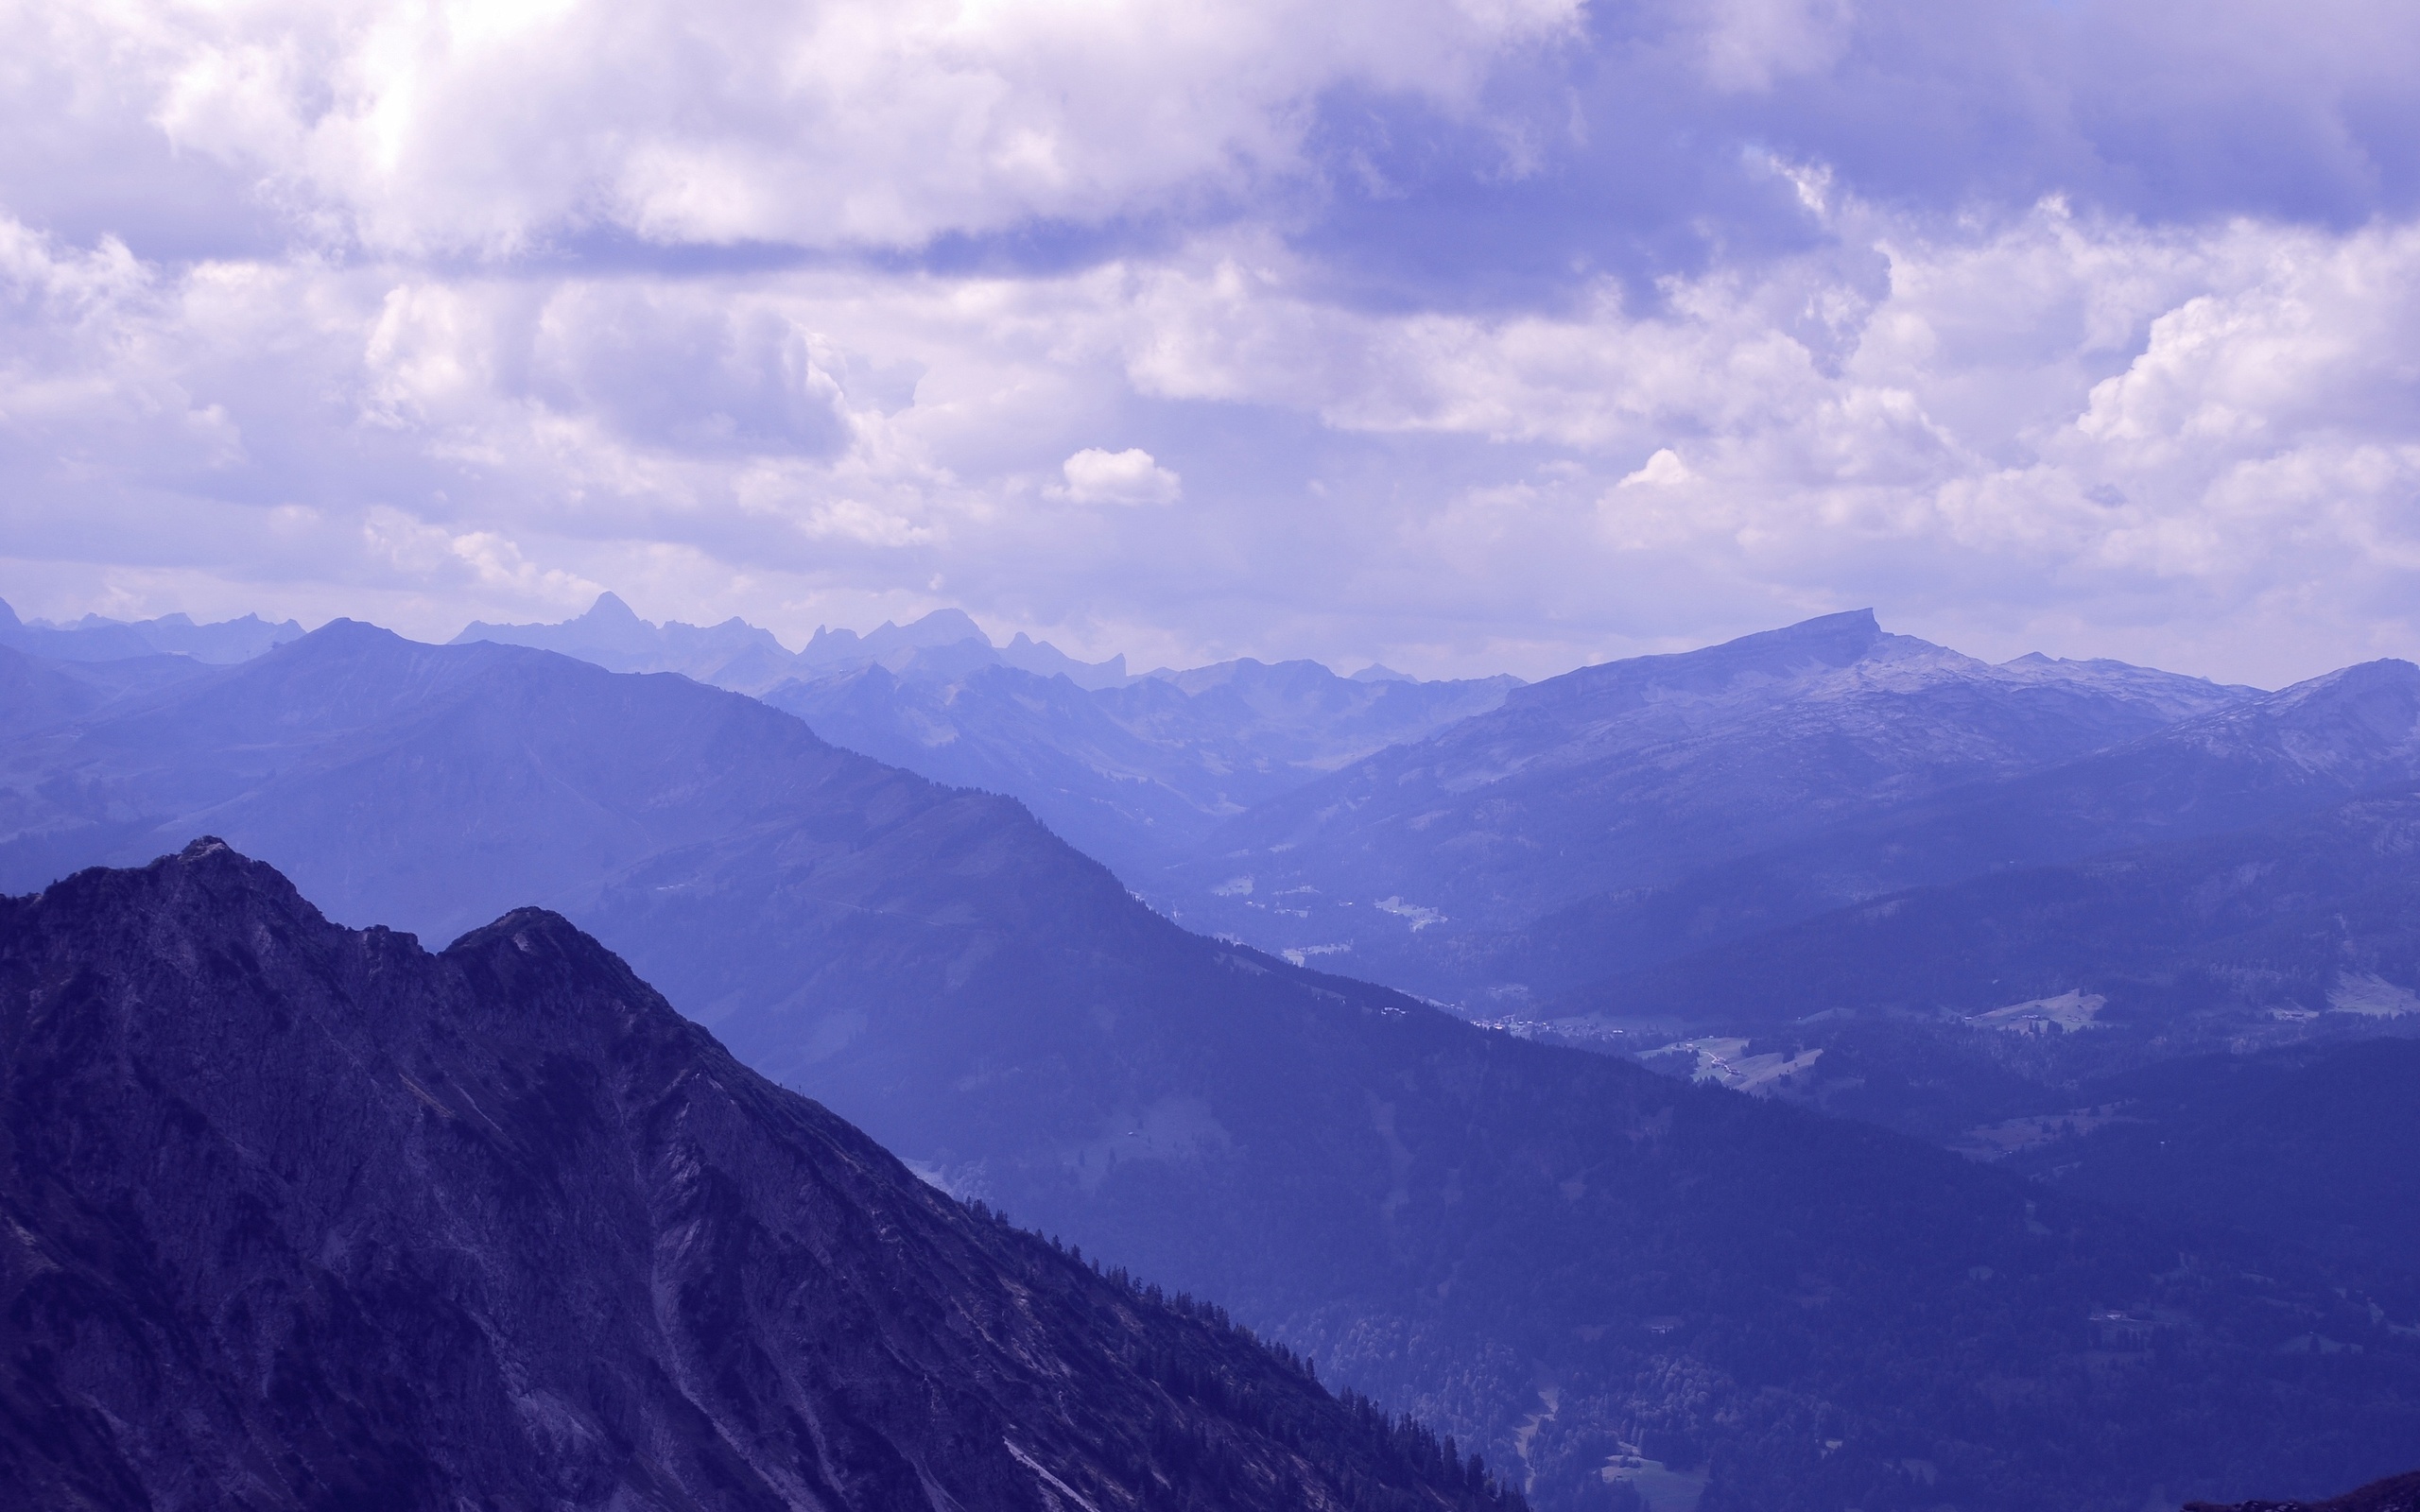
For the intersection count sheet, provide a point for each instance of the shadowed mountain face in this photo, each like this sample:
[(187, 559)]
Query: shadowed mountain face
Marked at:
[(309, 1217), (2266, 934), (1136, 774), (1636, 775), (1553, 1254), (2312, 1145)]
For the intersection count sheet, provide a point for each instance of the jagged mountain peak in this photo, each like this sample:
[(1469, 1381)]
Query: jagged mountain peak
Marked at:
[(97, 638), (608, 605), (306, 1217)]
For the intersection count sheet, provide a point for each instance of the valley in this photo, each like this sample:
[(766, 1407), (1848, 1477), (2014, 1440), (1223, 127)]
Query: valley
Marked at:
[(1836, 1178)]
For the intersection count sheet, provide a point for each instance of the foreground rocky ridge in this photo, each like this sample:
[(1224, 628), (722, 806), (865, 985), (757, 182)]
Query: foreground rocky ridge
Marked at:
[(2398, 1494), (305, 1216)]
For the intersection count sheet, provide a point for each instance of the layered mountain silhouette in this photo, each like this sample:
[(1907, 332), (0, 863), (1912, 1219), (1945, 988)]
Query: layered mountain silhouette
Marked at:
[(1564, 1258), (735, 654), (1138, 774), (2268, 757), (37, 692), (95, 638), (303, 1216), (1135, 771), (1434, 862)]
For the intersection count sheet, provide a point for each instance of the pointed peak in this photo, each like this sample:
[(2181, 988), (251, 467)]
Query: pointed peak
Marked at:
[(208, 845), (608, 605)]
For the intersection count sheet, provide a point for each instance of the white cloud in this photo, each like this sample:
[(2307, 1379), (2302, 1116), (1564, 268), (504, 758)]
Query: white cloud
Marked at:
[(1131, 477), (455, 377), (1664, 470), (487, 125), (2160, 442)]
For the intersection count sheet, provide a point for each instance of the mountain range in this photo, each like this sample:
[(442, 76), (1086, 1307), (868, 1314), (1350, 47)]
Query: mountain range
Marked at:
[(303, 1216), (96, 639), (1478, 862), (1139, 774), (1567, 1261), (1133, 771), (737, 655)]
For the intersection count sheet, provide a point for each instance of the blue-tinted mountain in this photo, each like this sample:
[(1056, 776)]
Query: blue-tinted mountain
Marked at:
[(2400, 1493), (1638, 774), (37, 691), (303, 1216), (1564, 1258), (2264, 760), (1135, 774), (2311, 1143), (1132, 771), (96, 639), (2252, 936), (735, 654)]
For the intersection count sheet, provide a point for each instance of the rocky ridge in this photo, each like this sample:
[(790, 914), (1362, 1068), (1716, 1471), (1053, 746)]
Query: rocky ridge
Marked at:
[(303, 1216)]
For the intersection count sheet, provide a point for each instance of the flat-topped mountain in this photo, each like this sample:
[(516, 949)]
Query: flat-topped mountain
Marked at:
[(303, 1216), (1637, 774)]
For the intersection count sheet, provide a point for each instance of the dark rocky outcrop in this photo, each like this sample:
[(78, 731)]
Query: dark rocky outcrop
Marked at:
[(2399, 1493), (301, 1216)]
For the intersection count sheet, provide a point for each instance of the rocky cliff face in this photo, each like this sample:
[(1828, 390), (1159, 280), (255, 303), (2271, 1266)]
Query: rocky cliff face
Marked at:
[(301, 1216)]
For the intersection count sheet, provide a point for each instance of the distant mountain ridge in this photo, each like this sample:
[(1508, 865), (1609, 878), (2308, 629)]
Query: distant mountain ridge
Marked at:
[(1634, 775), (1139, 773), (747, 658), (307, 1218), (1133, 771), (2260, 760), (96, 639)]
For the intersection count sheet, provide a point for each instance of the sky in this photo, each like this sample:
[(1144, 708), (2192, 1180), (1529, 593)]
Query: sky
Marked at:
[(1470, 336)]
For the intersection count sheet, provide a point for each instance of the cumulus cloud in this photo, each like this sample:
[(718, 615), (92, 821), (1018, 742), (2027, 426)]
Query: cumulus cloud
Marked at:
[(1131, 477), (487, 125), (1484, 335)]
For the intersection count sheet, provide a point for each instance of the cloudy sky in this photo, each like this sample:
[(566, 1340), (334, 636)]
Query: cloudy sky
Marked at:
[(1471, 334)]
